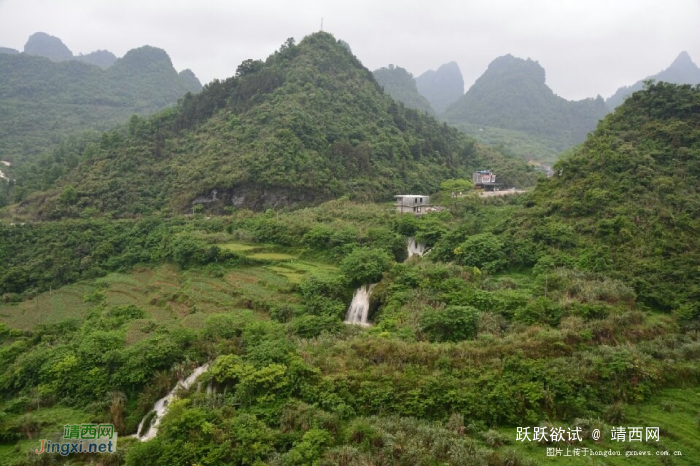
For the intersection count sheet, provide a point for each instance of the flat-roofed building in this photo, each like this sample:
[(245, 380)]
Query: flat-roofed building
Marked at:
[(416, 204), (484, 179)]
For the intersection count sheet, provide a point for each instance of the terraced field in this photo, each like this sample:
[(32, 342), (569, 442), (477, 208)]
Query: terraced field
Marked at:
[(173, 296)]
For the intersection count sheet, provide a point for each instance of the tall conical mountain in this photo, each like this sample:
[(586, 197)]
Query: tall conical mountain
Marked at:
[(147, 75), (441, 87), (626, 203), (44, 45), (512, 95), (42, 101), (308, 124), (47, 46), (399, 84), (190, 80), (681, 71)]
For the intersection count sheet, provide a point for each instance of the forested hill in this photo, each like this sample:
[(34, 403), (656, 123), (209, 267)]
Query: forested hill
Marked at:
[(682, 71), (399, 84), (308, 124), (627, 202), (42, 101), (512, 95)]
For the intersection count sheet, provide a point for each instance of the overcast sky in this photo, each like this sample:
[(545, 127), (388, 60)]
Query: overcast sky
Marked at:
[(587, 47)]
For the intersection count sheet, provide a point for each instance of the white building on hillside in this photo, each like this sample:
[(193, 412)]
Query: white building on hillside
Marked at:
[(416, 204)]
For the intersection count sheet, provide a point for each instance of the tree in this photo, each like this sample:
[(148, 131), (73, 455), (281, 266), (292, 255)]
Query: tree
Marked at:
[(364, 266), (69, 195), (248, 67), (484, 250), (456, 186)]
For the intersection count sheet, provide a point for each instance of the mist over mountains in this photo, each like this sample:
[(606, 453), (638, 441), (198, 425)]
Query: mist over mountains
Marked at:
[(512, 95), (44, 45), (308, 124), (151, 228), (47, 94), (682, 71), (400, 84), (511, 107), (442, 87)]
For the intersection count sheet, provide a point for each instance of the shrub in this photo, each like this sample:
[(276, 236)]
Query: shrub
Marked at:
[(454, 323), (311, 326), (484, 251), (540, 311)]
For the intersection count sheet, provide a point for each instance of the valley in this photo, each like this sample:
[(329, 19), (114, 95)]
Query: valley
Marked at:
[(241, 277)]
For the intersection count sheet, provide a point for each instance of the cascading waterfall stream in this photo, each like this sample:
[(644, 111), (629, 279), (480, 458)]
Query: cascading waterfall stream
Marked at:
[(359, 307), (415, 248), (161, 406), (358, 311)]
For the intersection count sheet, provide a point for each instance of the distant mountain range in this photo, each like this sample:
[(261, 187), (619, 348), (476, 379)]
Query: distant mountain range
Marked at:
[(681, 71), (43, 45), (46, 93), (308, 124), (512, 95), (511, 107)]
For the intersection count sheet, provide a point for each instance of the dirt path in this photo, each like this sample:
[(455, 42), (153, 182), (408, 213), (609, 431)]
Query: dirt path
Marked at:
[(506, 192)]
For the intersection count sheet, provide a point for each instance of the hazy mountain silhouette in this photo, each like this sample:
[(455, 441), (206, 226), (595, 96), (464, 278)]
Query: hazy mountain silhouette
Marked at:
[(512, 95), (42, 101), (308, 124), (399, 84), (442, 87), (44, 45), (681, 71)]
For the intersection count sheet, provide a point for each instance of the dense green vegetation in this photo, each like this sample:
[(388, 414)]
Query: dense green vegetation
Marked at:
[(42, 101), (512, 95), (458, 349), (399, 84), (517, 143), (574, 305), (626, 203), (308, 124)]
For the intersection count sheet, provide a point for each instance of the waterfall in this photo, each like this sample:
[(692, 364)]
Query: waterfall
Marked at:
[(415, 248), (359, 307), (161, 406)]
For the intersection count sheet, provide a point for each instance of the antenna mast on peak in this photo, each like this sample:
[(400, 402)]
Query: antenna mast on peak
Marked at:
[(321, 24)]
